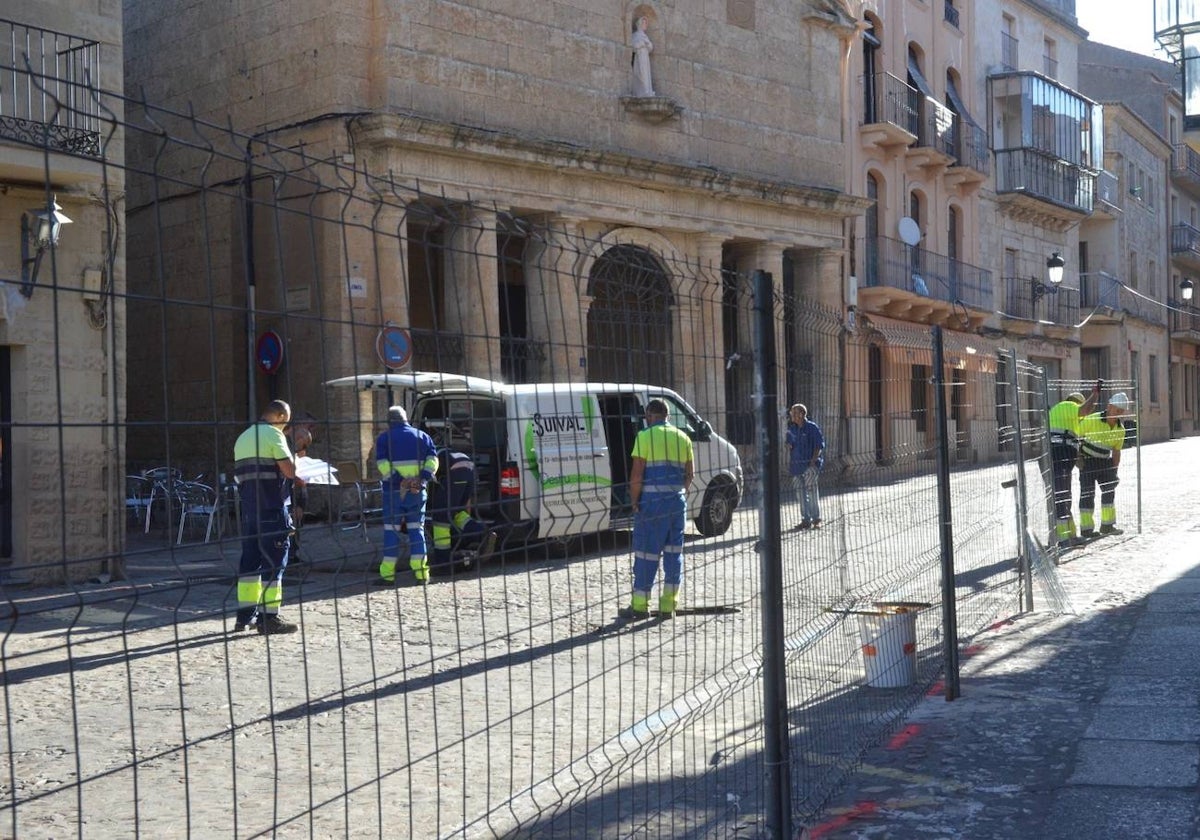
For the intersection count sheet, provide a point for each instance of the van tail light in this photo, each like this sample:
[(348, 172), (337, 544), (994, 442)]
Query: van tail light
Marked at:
[(510, 481)]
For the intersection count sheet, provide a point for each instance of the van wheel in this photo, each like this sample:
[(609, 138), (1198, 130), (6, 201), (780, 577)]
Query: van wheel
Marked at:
[(560, 548), (716, 514)]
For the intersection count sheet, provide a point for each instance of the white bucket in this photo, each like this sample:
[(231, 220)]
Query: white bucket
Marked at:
[(889, 644)]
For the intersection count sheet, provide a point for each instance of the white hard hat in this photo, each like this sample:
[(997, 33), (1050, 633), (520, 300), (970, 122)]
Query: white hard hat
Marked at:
[(1119, 400)]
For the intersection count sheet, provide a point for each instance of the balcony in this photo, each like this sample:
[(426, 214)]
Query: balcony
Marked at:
[(1185, 246), (437, 350), (916, 284), (1008, 52), (951, 14), (1184, 320), (521, 358), (1042, 184), (1111, 300), (891, 118), (1030, 299), (1185, 168), (972, 158), (937, 133), (1108, 195), (49, 95)]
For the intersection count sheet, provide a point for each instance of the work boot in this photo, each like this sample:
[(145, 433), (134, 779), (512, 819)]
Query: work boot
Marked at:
[(639, 608), (383, 582), (1087, 534), (816, 523), (1111, 529), (666, 607), (803, 526), (272, 625)]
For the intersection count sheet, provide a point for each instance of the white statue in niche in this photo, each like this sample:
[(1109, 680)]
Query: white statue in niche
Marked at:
[(640, 60)]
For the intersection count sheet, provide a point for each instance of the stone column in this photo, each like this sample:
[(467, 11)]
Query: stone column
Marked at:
[(554, 295), (765, 256), (818, 273), (470, 293), (700, 341), (390, 227)]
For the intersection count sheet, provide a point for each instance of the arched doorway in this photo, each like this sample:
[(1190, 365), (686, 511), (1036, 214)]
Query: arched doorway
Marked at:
[(629, 321)]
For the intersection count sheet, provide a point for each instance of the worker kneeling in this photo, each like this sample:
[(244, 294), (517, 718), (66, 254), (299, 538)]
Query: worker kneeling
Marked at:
[(449, 508)]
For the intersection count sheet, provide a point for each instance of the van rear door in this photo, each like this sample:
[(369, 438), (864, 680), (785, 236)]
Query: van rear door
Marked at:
[(567, 456)]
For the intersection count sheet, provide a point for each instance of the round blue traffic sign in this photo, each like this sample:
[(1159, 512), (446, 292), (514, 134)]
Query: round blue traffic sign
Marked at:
[(268, 352), (394, 347)]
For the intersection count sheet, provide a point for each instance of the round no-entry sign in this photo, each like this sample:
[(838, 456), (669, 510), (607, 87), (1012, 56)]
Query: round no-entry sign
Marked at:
[(268, 352), (394, 347)]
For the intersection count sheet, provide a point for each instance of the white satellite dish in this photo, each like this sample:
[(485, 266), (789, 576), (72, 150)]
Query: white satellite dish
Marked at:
[(910, 234)]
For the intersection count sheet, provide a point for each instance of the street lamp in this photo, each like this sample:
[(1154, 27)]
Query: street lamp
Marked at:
[(1054, 273), (40, 229), (1185, 290)]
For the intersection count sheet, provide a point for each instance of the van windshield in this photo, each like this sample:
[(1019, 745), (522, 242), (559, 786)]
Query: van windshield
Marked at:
[(681, 416)]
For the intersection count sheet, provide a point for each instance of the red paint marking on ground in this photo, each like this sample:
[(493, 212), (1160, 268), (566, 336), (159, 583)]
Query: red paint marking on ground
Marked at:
[(937, 688), (971, 650), (862, 809), (904, 736), (1000, 624)]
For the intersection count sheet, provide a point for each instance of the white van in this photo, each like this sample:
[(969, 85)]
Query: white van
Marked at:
[(553, 460)]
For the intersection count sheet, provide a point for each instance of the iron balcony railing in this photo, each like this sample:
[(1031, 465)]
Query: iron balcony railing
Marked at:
[(1185, 239), (889, 99), (1185, 162), (951, 14), (437, 350), (1184, 317), (1099, 289), (1108, 188), (972, 148), (1008, 52), (891, 263), (49, 84), (1045, 177), (520, 358), (938, 126), (1034, 300)]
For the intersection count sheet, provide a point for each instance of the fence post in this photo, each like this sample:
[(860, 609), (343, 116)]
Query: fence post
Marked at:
[(778, 792), (1025, 562), (949, 604)]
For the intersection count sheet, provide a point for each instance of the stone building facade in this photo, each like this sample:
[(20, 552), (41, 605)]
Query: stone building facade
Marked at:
[(980, 159), (1156, 195), (517, 123), (62, 328)]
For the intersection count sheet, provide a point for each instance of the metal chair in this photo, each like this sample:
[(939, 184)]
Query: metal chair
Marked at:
[(195, 501), (161, 480), (350, 478), (138, 494)]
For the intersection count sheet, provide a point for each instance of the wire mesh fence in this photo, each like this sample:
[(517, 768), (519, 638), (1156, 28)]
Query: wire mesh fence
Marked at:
[(505, 696)]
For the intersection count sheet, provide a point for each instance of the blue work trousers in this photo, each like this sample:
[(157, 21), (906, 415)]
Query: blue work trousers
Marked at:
[(265, 544), (403, 510), (658, 532)]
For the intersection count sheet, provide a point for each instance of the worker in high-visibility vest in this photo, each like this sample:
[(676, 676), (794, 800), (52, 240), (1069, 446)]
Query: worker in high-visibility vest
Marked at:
[(1064, 452), (659, 479), (449, 507), (1101, 436), (263, 464), (407, 459)]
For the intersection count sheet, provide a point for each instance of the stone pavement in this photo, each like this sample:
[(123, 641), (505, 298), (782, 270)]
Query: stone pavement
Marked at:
[(1068, 726)]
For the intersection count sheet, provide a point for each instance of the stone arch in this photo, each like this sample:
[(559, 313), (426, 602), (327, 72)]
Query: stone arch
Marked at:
[(631, 308)]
